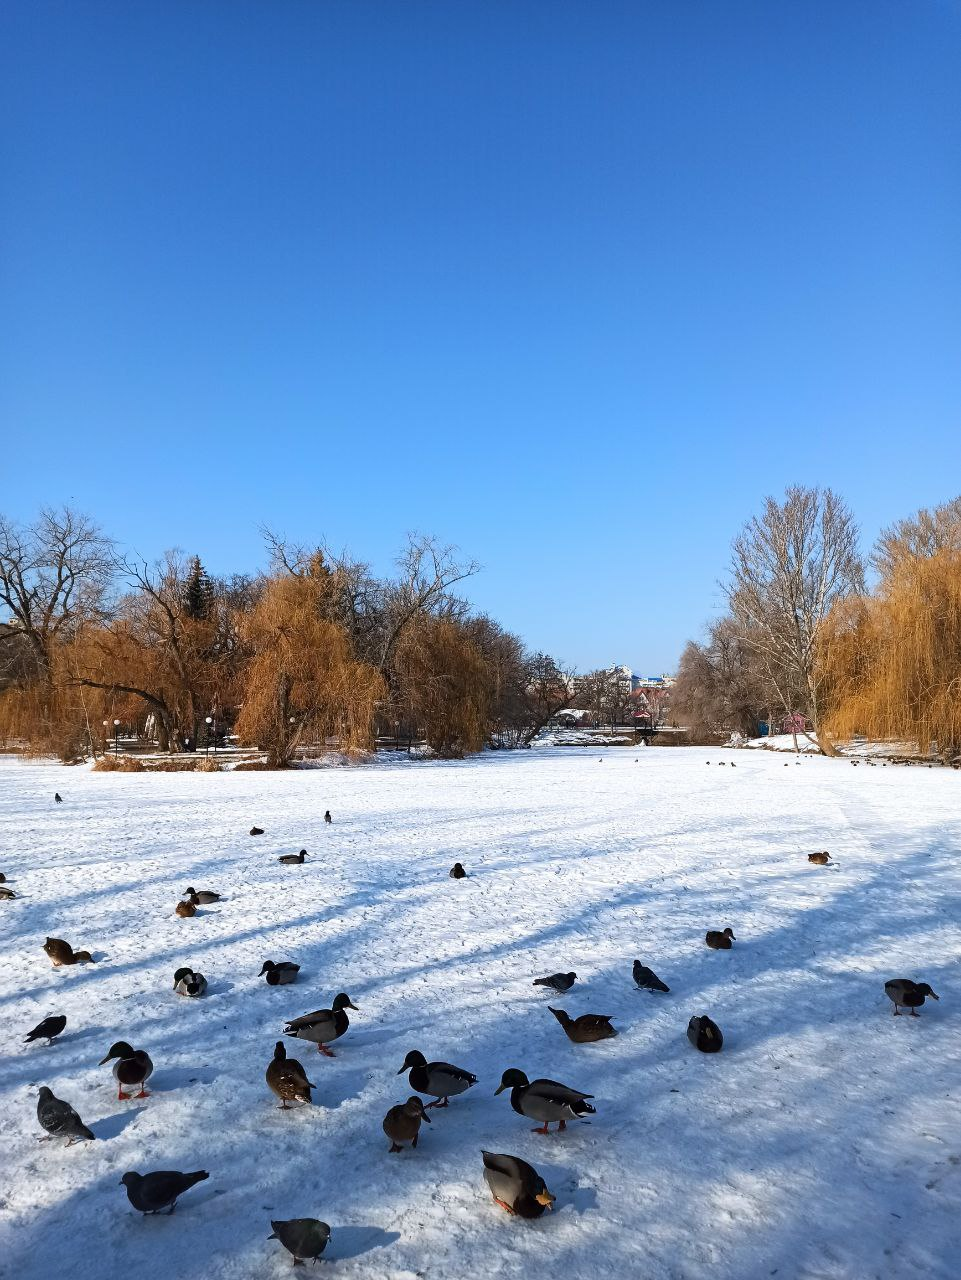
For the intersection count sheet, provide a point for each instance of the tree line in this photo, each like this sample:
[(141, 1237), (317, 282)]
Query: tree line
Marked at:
[(818, 635), (315, 650)]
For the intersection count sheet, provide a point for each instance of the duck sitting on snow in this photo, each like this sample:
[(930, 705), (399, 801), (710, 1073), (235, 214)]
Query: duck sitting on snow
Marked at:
[(439, 1080), (202, 898), (515, 1185), (820, 859), (323, 1025), (280, 974), (720, 940), (457, 872), (705, 1034), (587, 1029), (185, 910), (189, 983), (292, 859), (907, 994), (544, 1100)]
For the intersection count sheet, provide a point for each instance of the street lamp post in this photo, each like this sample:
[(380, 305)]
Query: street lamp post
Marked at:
[(116, 737), (106, 736), (209, 722)]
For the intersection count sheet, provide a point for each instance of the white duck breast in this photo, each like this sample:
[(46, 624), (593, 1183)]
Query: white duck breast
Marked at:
[(441, 1080), (546, 1100)]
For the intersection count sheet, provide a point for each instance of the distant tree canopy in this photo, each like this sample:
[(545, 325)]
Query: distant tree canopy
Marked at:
[(315, 651)]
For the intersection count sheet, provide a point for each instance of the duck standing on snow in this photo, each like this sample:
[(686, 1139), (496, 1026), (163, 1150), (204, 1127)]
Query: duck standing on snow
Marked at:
[(202, 898), (646, 979), (292, 859), (189, 983), (457, 872), (305, 1238), (47, 1030), (280, 974), (544, 1100), (515, 1185), (587, 1029), (61, 953), (132, 1066), (287, 1078), (323, 1025), (402, 1123), (59, 1119), (439, 1080), (705, 1034), (559, 982), (906, 994), (152, 1192), (720, 940)]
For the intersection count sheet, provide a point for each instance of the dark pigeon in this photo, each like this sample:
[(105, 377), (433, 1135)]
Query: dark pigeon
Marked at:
[(305, 1238), (59, 1118), (327, 818), (153, 1192), (647, 979), (559, 982)]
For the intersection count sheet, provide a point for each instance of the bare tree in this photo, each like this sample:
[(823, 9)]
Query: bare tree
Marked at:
[(54, 575), (919, 536), (789, 566)]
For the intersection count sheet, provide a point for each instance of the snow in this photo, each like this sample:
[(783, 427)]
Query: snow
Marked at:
[(823, 1142)]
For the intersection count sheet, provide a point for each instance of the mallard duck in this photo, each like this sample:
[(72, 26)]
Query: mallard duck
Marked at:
[(305, 1238), (402, 1123), (705, 1034), (515, 1185), (151, 1192), (202, 898), (587, 1029), (821, 859), (292, 859), (47, 1030), (647, 979), (287, 1078), (544, 1100), (559, 982), (61, 952), (6, 894), (327, 818), (189, 983), (439, 1080), (59, 1118), (3, 878), (720, 940), (185, 910), (906, 994), (132, 1066), (457, 872), (256, 831), (323, 1025), (280, 974)]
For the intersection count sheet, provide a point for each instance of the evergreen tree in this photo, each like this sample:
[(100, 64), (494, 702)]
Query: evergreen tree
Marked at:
[(198, 592)]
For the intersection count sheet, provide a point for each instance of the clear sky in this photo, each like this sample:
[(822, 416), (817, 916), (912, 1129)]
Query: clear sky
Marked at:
[(571, 285)]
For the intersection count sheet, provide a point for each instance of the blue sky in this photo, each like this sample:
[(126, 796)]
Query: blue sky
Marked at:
[(571, 285)]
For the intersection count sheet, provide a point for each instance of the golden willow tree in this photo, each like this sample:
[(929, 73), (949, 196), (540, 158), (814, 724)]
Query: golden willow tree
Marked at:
[(892, 662), (301, 681)]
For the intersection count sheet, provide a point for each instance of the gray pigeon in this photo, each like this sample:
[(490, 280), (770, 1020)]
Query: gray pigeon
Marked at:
[(647, 979), (303, 1237), (560, 982), (47, 1030), (151, 1192), (59, 1118)]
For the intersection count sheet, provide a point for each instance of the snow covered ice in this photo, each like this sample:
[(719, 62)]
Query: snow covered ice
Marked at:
[(824, 1142)]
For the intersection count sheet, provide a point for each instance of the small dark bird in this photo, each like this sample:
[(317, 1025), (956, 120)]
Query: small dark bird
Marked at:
[(719, 941), (457, 872), (402, 1123), (292, 859), (153, 1192), (705, 1034), (587, 1029), (189, 983), (821, 859), (906, 994), (47, 1030), (186, 910), (59, 1119), (58, 797), (560, 982), (516, 1185), (61, 952), (256, 831), (327, 817), (202, 898), (279, 975), (287, 1078), (305, 1238), (647, 979)]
